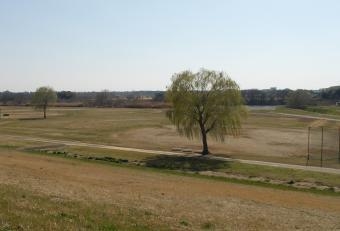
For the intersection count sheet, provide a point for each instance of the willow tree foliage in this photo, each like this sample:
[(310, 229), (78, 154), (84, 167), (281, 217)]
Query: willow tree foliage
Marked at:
[(43, 97), (205, 103)]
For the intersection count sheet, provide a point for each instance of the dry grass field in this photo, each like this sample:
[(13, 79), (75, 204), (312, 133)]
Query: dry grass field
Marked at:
[(266, 135)]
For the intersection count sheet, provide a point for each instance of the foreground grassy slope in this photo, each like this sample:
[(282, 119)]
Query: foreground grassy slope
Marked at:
[(44, 192), (22, 209)]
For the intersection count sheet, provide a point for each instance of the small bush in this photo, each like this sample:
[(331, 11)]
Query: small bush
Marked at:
[(207, 225), (299, 99), (184, 223)]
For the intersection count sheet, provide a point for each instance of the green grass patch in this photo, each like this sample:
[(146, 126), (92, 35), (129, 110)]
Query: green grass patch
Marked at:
[(274, 121), (284, 174), (100, 152), (328, 111), (324, 110)]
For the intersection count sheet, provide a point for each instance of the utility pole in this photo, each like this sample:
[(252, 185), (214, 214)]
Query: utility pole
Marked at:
[(321, 156), (339, 145), (308, 144)]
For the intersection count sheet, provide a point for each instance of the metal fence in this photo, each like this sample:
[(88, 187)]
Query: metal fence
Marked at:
[(323, 146)]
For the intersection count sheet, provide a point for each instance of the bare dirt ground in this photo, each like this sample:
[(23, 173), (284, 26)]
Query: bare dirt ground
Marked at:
[(264, 142), (174, 198)]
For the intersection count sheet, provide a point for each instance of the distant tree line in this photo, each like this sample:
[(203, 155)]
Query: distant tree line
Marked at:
[(331, 94), (295, 99), (270, 96), (105, 98), (11, 98)]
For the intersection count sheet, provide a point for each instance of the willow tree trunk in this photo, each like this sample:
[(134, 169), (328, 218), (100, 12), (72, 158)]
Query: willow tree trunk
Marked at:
[(205, 150), (45, 107)]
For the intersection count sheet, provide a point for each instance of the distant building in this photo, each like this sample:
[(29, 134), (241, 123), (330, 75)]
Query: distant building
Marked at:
[(337, 103), (142, 97)]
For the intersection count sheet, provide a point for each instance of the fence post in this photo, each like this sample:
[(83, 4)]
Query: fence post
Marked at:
[(321, 156), (308, 144)]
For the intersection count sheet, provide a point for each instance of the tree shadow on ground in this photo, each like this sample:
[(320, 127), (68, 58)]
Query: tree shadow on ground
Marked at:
[(33, 118), (185, 163)]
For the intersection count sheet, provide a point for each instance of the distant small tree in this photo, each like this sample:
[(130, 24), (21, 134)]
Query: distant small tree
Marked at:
[(66, 96), (7, 97), (299, 99), (43, 97), (159, 97), (207, 102)]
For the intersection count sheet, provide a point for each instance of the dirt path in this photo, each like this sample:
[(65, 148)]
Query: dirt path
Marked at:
[(173, 198), (263, 163)]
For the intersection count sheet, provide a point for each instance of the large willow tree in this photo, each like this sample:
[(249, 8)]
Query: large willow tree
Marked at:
[(207, 102)]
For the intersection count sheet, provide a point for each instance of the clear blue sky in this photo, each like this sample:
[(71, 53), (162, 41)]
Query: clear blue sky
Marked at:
[(88, 45)]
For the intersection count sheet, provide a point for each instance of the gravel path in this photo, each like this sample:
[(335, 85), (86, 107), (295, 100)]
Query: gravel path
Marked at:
[(308, 117)]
